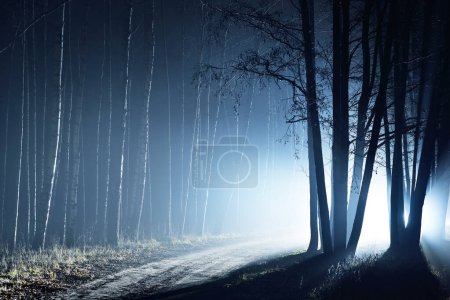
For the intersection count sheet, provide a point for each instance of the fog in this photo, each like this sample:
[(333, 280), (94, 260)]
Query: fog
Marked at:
[(141, 107)]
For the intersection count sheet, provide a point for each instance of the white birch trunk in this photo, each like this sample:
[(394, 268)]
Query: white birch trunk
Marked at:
[(147, 122), (21, 136), (58, 130), (108, 145), (124, 123), (169, 226)]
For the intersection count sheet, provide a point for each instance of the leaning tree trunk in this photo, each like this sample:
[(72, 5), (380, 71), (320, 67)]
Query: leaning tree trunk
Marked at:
[(313, 224), (439, 94), (423, 174), (363, 105), (19, 176), (443, 169), (379, 108), (307, 20), (441, 188), (58, 132)]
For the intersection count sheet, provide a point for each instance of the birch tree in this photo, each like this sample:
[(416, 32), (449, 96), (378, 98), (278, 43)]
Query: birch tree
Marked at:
[(22, 116), (147, 122), (114, 216), (58, 130)]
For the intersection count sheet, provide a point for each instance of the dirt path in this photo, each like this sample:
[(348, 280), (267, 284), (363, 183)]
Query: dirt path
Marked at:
[(183, 270)]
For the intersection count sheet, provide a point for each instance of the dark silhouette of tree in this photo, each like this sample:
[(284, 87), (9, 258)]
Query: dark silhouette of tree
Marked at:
[(379, 110), (340, 147), (307, 11)]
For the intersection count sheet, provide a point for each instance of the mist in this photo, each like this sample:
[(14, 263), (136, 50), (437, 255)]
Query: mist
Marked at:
[(236, 130)]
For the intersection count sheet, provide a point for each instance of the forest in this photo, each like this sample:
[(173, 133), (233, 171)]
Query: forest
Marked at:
[(224, 149)]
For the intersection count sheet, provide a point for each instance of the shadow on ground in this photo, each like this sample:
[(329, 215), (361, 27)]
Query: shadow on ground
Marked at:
[(318, 276)]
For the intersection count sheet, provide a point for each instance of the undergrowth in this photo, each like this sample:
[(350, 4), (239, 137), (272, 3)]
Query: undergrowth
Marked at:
[(381, 277), (26, 273)]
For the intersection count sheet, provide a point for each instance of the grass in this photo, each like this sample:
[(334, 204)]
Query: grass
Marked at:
[(382, 277), (27, 273), (306, 276), (36, 274)]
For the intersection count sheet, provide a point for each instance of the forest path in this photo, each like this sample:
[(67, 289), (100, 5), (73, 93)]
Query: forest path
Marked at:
[(184, 270)]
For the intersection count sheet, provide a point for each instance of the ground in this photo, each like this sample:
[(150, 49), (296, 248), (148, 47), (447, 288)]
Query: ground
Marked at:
[(41, 274), (309, 276), (222, 268)]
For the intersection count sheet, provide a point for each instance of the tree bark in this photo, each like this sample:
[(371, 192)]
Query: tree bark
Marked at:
[(363, 104), (58, 132), (147, 122), (401, 54), (114, 208), (439, 95), (313, 221), (340, 147), (307, 20)]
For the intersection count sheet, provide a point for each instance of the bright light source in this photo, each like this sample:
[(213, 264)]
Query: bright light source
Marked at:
[(447, 230), (375, 231), (447, 224), (432, 216), (406, 217), (429, 217)]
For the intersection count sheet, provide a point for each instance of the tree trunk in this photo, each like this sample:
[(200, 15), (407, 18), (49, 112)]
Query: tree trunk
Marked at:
[(147, 122), (34, 130), (69, 124), (340, 147), (423, 89), (108, 144), (440, 94), (169, 219), (58, 131), (363, 104), (307, 20), (73, 212), (5, 150), (19, 176), (443, 168), (114, 208), (379, 108), (401, 51), (313, 226)]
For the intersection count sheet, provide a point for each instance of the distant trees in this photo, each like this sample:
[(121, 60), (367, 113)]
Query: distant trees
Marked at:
[(51, 200)]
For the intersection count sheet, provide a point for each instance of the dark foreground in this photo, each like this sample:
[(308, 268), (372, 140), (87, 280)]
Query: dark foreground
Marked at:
[(316, 276), (224, 268)]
